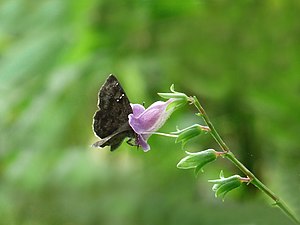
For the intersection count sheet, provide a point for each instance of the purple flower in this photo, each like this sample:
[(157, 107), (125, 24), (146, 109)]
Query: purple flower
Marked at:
[(145, 122)]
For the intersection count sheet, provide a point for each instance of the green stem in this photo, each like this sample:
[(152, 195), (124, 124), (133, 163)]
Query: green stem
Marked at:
[(162, 134), (229, 155)]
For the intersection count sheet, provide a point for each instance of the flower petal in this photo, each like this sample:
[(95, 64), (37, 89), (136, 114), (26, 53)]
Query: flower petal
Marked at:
[(137, 109), (143, 143), (150, 119), (146, 121)]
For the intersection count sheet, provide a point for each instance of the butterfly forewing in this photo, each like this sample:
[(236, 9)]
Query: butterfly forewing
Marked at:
[(111, 120)]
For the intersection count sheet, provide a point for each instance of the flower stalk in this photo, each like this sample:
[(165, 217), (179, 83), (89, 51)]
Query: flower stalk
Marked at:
[(229, 155)]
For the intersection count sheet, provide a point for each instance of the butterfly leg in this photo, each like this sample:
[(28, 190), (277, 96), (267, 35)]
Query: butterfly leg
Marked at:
[(131, 142)]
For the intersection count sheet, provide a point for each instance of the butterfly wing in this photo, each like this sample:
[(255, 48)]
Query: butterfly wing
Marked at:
[(111, 120), (114, 140)]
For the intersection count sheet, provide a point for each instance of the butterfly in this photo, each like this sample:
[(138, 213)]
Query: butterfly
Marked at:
[(110, 122)]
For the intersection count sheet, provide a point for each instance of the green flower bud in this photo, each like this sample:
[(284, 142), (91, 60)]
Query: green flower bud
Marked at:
[(223, 185), (179, 99), (173, 95), (188, 133), (197, 160)]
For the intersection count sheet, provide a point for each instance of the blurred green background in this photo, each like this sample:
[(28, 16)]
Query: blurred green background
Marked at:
[(242, 60)]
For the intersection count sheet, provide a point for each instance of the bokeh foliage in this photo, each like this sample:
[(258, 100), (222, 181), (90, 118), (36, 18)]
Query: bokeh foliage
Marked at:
[(240, 58)]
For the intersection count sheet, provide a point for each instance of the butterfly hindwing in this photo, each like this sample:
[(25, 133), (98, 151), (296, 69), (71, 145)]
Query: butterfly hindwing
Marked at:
[(111, 120), (113, 141)]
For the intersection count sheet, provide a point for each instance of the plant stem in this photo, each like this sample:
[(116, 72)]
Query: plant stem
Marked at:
[(229, 155), (162, 134)]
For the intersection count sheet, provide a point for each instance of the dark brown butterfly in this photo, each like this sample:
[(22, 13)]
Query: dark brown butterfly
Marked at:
[(111, 120)]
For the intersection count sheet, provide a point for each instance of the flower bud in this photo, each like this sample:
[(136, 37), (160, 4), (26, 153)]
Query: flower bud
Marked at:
[(197, 160), (179, 99), (188, 133), (223, 185)]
